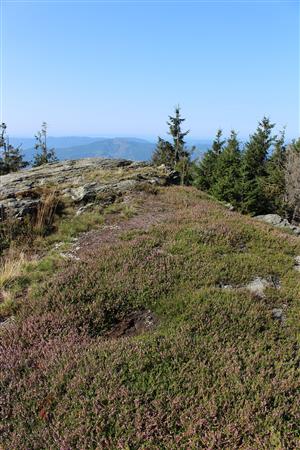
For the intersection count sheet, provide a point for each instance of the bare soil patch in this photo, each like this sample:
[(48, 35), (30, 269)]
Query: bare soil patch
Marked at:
[(135, 323)]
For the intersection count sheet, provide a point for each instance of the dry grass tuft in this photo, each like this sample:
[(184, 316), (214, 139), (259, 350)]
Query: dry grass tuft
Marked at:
[(46, 212), (11, 267)]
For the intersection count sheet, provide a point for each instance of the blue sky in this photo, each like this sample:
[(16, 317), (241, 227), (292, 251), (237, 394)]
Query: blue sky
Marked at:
[(119, 68)]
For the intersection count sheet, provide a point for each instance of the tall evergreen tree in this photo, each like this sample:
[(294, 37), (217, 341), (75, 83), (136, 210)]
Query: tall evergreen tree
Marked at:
[(227, 183), (178, 135), (44, 154), (206, 170), (218, 143), (174, 155), (274, 182), (254, 168)]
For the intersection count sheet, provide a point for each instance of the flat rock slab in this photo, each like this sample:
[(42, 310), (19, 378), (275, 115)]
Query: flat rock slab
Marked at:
[(80, 181)]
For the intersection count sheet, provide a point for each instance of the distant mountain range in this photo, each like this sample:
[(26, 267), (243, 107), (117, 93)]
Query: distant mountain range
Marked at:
[(76, 147)]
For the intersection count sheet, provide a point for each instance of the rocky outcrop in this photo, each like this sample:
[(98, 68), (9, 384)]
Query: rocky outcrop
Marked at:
[(79, 182), (277, 221), (258, 286), (297, 263)]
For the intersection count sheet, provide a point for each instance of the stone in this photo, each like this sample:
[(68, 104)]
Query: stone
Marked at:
[(258, 286), (225, 286), (58, 245), (278, 314), (279, 222), (229, 206), (83, 193), (6, 323), (69, 255), (297, 263), (84, 208)]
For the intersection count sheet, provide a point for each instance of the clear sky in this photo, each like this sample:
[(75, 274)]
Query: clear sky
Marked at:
[(119, 68)]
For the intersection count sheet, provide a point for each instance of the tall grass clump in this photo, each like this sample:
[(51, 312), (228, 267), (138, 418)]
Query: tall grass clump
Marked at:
[(11, 267), (44, 218), (22, 232)]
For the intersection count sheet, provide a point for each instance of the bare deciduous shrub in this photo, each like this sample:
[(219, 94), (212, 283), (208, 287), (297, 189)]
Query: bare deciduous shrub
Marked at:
[(292, 180)]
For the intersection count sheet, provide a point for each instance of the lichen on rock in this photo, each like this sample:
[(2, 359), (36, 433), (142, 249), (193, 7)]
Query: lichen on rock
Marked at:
[(79, 182)]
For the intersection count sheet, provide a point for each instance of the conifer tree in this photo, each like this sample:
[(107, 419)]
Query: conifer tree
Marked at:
[(186, 168), (11, 159), (218, 143), (228, 172), (206, 170), (44, 155), (178, 135), (254, 168), (174, 155), (15, 159), (164, 154), (274, 182), (3, 148)]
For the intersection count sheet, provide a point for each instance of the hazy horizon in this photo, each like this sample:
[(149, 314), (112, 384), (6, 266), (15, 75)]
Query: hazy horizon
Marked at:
[(112, 136)]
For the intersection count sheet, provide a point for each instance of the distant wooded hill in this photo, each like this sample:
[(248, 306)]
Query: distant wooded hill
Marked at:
[(76, 147)]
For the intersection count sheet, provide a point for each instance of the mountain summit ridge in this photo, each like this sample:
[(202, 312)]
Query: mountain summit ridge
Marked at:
[(77, 147)]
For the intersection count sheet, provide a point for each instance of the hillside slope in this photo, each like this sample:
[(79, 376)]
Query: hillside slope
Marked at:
[(76, 147), (129, 148), (173, 328), (86, 147)]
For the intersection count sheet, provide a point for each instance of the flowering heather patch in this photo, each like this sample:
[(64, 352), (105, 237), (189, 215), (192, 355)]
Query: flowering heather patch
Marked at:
[(217, 371)]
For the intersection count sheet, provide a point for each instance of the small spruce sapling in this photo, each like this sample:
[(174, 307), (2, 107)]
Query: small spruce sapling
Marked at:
[(44, 154)]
